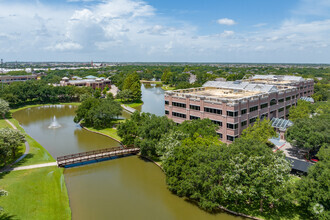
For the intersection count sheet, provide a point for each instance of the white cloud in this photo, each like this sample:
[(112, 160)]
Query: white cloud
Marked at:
[(260, 25), (65, 46), (226, 21), (227, 33), (131, 30)]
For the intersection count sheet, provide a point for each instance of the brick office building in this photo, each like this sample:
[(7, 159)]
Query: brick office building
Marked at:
[(235, 105)]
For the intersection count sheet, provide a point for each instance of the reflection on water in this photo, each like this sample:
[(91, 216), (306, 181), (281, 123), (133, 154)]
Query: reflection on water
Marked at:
[(127, 188), (67, 139), (123, 188), (153, 99)]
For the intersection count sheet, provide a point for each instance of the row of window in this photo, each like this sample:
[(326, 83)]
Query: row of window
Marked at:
[(194, 117), (232, 114), (213, 110), (178, 104), (179, 115), (195, 107)]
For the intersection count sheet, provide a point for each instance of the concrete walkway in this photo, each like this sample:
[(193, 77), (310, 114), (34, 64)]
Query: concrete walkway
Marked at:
[(29, 167), (129, 109), (27, 146)]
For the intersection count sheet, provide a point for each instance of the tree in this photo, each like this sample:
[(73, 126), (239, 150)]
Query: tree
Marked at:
[(261, 131), (144, 130), (11, 140), (309, 133), (133, 84), (168, 142), (302, 110), (4, 107), (203, 127), (246, 173), (313, 190), (98, 113)]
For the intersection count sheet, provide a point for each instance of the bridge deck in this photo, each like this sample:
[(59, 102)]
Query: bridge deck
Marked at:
[(94, 155)]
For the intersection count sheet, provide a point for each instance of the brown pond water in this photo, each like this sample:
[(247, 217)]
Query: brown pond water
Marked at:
[(123, 188)]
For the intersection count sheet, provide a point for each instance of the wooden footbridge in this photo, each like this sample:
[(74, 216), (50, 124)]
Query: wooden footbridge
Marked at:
[(95, 155)]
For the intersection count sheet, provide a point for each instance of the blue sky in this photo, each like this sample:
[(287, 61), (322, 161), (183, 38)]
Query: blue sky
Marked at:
[(272, 31)]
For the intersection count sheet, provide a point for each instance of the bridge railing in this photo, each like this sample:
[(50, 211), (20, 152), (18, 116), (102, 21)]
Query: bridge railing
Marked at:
[(93, 152)]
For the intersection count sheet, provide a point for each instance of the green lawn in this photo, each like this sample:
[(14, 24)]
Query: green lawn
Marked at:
[(37, 153), (168, 87), (21, 149), (152, 82), (36, 105), (132, 104), (35, 194), (107, 131)]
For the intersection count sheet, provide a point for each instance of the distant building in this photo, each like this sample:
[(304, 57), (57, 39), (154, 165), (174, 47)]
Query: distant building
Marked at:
[(21, 78), (89, 81), (236, 105)]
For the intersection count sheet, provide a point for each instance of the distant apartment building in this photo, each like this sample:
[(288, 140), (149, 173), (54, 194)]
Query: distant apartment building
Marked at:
[(21, 78), (88, 81), (235, 105)]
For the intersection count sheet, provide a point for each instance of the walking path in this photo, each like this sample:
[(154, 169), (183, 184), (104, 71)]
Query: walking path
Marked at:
[(129, 109), (29, 167), (27, 146)]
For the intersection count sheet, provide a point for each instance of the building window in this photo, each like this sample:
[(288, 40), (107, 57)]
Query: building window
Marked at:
[(231, 138), (194, 117), (288, 98), (195, 107), (293, 97), (288, 106), (179, 115), (178, 104), (217, 122), (167, 112), (243, 123), (167, 102), (213, 110), (281, 110), (253, 120), (232, 114), (220, 135), (243, 111), (232, 126), (273, 102), (281, 100), (265, 105), (254, 108)]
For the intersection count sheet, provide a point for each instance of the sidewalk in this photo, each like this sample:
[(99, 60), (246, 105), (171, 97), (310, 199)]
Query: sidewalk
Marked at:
[(30, 167)]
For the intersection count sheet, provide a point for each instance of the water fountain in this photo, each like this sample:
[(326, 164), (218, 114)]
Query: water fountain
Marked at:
[(54, 123)]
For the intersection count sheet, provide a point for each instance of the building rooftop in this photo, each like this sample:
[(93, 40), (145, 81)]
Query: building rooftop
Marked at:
[(217, 91), (239, 85), (224, 93), (276, 79)]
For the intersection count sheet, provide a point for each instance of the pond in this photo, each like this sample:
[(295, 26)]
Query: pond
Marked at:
[(153, 99), (123, 188)]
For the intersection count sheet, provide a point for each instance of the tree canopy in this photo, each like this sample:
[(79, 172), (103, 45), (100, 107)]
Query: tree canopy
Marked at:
[(98, 113)]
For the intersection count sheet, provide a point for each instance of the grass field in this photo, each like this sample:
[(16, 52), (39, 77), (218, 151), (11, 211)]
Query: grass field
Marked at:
[(107, 131), (37, 105), (132, 104), (168, 88), (35, 194), (37, 153)]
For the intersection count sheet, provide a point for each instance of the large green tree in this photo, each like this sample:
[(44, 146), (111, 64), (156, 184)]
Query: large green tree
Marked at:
[(313, 190), (261, 131), (10, 141), (309, 133), (4, 107), (98, 113), (302, 110)]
